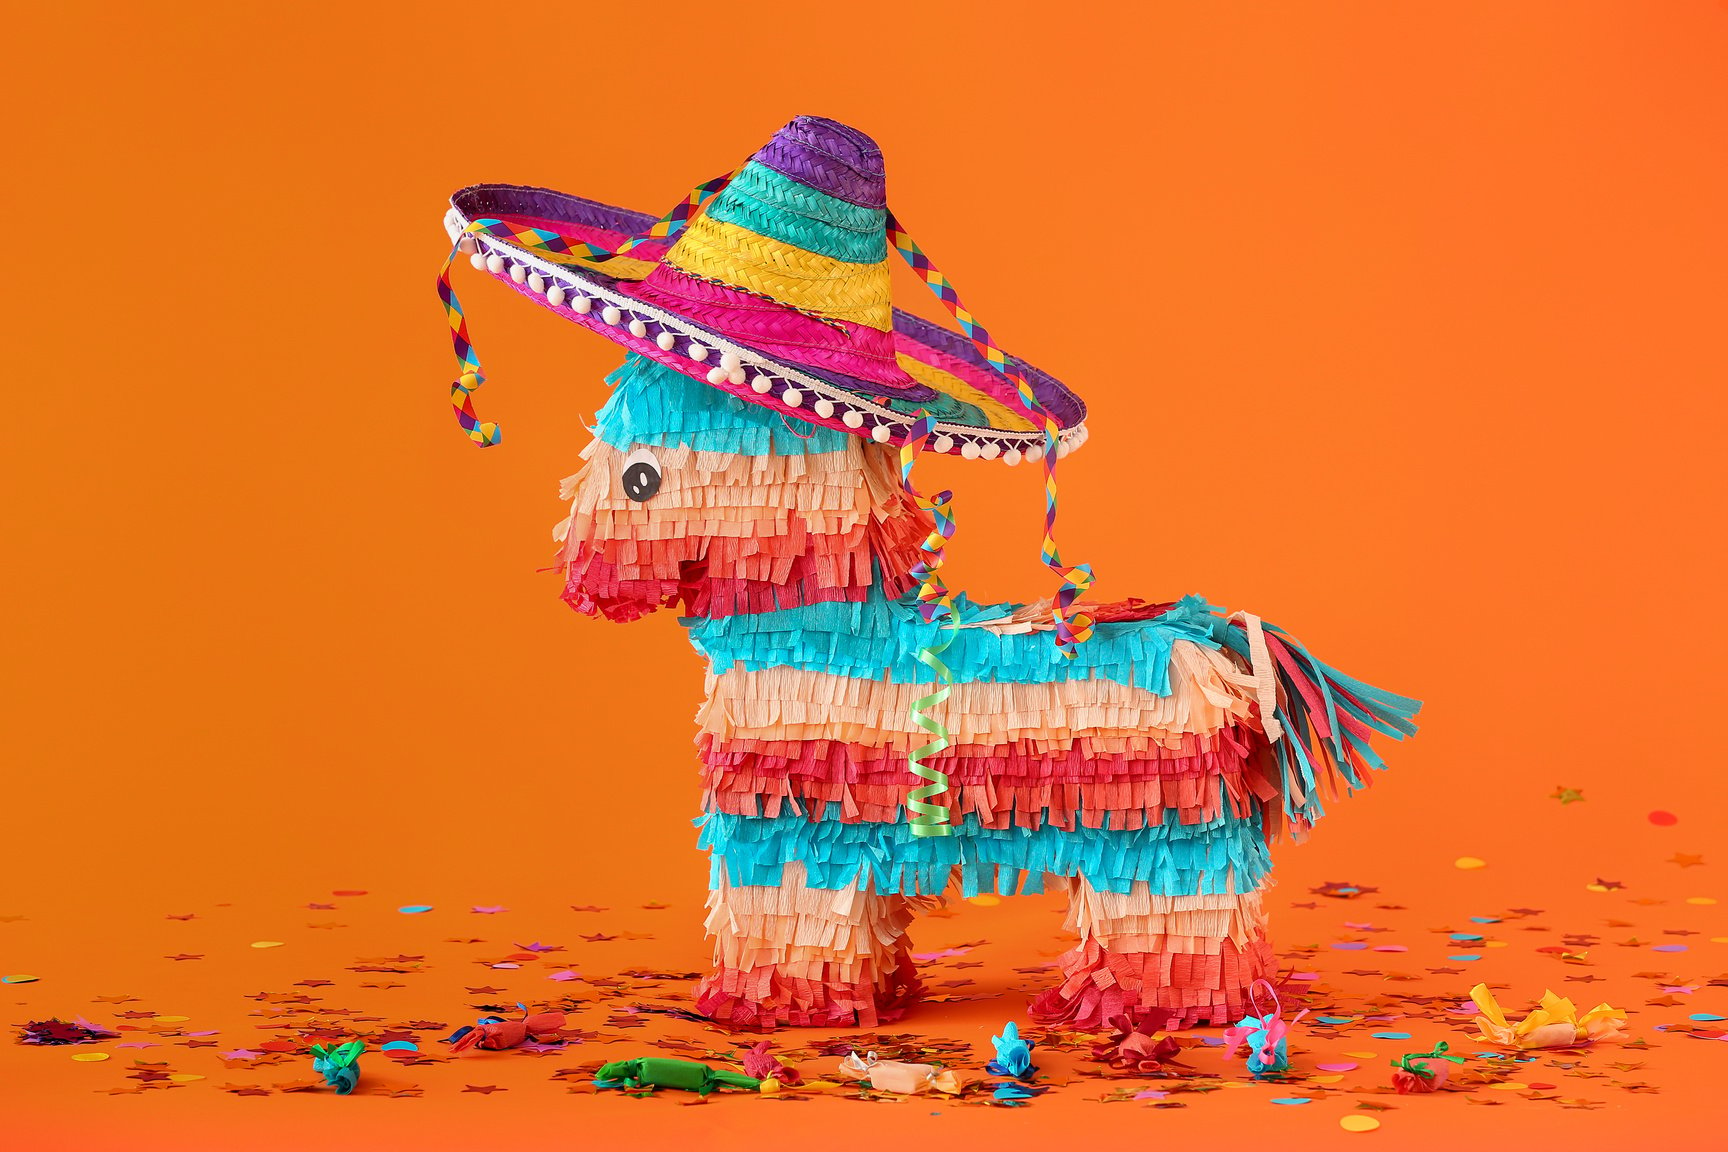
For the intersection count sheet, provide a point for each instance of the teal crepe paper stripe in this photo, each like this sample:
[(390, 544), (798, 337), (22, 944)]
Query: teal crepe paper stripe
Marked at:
[(1217, 858), (659, 407), (879, 639)]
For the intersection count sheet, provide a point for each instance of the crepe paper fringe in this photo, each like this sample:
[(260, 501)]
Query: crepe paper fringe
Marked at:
[(879, 638), (1099, 984), (1172, 858), (656, 406), (1327, 719), (792, 704), (1121, 921), (760, 999)]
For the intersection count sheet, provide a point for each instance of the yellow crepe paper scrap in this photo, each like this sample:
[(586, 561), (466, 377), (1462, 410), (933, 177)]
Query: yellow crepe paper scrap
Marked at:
[(1555, 1023)]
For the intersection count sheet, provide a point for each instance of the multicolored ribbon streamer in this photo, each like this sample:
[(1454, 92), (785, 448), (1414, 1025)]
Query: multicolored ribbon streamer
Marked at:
[(924, 811), (1073, 627), (559, 249)]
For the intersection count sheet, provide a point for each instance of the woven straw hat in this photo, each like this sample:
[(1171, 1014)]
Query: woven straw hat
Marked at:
[(771, 283)]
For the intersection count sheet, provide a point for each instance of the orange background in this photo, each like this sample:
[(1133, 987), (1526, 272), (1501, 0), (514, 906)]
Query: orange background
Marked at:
[(1401, 325)]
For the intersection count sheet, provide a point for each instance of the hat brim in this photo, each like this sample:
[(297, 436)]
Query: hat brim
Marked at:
[(971, 406)]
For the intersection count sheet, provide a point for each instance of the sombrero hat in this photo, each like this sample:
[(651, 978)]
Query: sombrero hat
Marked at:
[(772, 283)]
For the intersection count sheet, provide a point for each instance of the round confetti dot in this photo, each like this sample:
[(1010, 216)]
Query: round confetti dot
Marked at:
[(1509, 1086), (1391, 1035), (1719, 939), (20, 979), (1706, 1017), (348, 892), (413, 909), (1468, 864), (1465, 956), (1292, 1100), (266, 943), (1362, 1055), (184, 1077), (1324, 1079), (1700, 899), (1496, 944), (89, 1057), (1391, 948), (984, 901), (169, 1019), (1349, 1067), (1358, 1123), (1663, 819), (1669, 948)]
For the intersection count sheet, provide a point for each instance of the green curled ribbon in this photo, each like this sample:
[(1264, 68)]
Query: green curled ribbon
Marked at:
[(924, 811), (1406, 1062)]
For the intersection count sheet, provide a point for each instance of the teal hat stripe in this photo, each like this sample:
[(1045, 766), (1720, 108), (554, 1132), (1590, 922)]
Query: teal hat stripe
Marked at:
[(765, 202)]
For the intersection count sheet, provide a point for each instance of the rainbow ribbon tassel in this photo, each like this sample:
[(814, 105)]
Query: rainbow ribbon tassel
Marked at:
[(1073, 627)]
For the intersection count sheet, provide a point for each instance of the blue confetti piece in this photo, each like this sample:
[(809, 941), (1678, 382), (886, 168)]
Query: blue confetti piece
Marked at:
[(1706, 1017), (400, 1046), (1335, 1019), (1484, 919), (411, 909), (1292, 1100), (1391, 1035), (1464, 938), (1465, 956)]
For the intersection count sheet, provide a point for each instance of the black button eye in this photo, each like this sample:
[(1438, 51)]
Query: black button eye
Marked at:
[(641, 475)]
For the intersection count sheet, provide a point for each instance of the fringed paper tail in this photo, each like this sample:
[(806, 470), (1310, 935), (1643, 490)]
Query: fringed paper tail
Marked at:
[(1323, 720)]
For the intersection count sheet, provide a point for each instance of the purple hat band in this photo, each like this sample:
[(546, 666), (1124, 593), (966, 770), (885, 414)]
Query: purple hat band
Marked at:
[(829, 157)]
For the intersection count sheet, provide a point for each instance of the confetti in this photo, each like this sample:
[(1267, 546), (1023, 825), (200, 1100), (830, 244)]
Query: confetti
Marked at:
[(1468, 864), (1358, 1123)]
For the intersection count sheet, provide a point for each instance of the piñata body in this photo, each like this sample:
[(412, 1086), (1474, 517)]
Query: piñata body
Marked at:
[(1140, 776)]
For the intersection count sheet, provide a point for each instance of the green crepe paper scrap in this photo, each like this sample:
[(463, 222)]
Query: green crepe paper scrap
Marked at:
[(338, 1064), (660, 1072), (1412, 1062)]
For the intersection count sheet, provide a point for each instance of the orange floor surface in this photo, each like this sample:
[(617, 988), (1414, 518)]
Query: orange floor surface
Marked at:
[(215, 1002)]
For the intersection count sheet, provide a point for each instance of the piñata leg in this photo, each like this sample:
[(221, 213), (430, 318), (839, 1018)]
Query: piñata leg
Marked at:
[(792, 954), (1194, 956)]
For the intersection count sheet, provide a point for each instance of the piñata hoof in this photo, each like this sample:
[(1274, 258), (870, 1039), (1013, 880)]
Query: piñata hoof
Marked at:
[(869, 739)]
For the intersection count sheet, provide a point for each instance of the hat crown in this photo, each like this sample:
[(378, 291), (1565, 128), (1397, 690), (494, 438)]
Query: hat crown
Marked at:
[(830, 157), (803, 225)]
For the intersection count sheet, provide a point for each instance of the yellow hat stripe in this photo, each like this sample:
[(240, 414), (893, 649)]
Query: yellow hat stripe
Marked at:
[(995, 412), (851, 293)]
